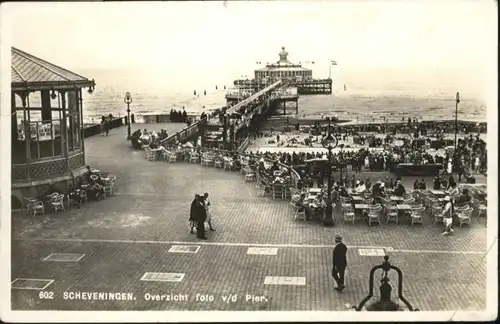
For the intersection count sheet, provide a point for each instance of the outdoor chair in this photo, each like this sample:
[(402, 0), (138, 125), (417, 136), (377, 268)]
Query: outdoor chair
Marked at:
[(36, 208), (193, 158), (219, 164), (172, 158), (250, 176), (278, 191), (416, 215), (374, 215), (436, 211), (57, 202), (391, 213), (263, 189), (206, 161), (299, 212), (409, 201), (482, 210), (151, 155), (464, 216), (108, 187), (348, 214)]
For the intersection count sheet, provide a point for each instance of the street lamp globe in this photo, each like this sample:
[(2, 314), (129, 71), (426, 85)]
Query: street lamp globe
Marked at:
[(329, 141)]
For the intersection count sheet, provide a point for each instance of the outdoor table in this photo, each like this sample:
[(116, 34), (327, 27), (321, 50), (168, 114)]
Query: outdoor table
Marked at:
[(95, 172), (403, 208), (314, 190), (357, 198), (438, 193), (360, 209), (396, 198)]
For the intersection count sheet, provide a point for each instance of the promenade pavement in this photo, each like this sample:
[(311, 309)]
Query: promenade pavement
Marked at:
[(123, 237)]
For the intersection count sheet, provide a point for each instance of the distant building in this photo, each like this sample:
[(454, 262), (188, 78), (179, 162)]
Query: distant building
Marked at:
[(283, 69)]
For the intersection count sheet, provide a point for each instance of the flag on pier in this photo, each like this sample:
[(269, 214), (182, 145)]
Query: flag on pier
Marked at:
[(334, 62)]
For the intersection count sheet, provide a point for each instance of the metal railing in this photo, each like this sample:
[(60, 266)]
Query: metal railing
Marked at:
[(188, 131)]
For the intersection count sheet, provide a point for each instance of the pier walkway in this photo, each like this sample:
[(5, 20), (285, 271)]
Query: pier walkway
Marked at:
[(125, 236), (194, 129)]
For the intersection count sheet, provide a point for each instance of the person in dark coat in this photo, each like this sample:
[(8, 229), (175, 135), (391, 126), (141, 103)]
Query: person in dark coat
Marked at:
[(339, 263), (192, 211), (200, 216)]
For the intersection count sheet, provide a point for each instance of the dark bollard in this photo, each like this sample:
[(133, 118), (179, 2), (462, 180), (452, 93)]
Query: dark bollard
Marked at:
[(224, 87), (132, 118), (215, 87), (194, 93), (205, 92)]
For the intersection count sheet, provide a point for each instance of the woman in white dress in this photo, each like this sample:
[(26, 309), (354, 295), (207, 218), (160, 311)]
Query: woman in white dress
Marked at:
[(209, 213)]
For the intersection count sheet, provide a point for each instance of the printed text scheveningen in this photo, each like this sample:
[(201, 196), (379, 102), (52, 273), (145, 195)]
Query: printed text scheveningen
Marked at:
[(77, 295)]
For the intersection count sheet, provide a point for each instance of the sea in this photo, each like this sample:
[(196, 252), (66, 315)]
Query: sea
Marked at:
[(364, 99)]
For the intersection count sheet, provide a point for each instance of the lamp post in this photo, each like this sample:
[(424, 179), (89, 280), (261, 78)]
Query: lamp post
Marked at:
[(128, 101), (385, 303), (457, 101), (341, 161), (329, 142)]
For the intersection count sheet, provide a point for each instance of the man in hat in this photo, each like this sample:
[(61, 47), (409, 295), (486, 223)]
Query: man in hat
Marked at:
[(339, 263), (448, 216)]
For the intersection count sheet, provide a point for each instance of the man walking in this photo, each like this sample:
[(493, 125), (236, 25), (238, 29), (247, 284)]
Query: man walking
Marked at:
[(339, 263), (200, 214), (448, 216), (192, 212)]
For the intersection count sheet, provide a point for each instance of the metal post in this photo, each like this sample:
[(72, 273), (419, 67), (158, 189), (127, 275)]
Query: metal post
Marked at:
[(456, 118), (329, 143), (128, 101)]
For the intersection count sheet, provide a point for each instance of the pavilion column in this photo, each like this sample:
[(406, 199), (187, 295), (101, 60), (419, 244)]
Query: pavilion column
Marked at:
[(26, 125), (80, 111), (46, 109), (296, 107), (284, 107), (13, 115), (64, 127)]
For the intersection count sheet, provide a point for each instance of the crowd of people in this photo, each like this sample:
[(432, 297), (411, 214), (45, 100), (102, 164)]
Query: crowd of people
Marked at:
[(178, 116), (470, 156), (104, 125)]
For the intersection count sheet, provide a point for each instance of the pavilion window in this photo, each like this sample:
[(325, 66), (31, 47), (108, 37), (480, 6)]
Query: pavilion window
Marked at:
[(73, 121), (38, 130)]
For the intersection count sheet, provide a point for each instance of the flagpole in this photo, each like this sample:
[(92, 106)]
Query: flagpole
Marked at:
[(330, 71)]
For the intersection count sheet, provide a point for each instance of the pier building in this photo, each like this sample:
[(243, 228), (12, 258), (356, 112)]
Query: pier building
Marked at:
[(293, 73), (47, 125)]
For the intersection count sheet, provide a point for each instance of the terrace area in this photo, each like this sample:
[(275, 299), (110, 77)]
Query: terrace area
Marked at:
[(131, 233)]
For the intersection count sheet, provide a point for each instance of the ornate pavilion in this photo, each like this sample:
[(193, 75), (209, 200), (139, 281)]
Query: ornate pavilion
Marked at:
[(283, 69), (47, 126)]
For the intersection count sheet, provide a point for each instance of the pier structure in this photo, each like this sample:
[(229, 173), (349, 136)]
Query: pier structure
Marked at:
[(48, 148), (231, 125), (294, 74)]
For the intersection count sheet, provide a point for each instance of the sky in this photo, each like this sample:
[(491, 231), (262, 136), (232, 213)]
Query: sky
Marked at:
[(406, 40)]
